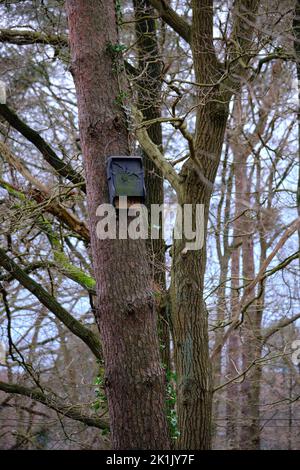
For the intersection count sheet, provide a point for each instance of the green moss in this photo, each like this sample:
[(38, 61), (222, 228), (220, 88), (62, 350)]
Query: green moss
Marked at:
[(74, 273)]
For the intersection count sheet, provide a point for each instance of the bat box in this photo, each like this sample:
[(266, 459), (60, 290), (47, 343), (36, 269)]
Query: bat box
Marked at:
[(125, 176)]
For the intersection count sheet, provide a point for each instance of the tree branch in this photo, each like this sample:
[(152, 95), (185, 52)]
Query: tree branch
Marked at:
[(278, 326), (75, 326), (54, 403), (261, 275), (26, 37), (207, 66), (62, 168), (240, 43), (154, 152), (29, 269), (175, 21), (42, 195)]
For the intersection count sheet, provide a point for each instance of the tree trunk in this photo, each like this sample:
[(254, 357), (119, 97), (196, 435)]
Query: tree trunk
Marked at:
[(232, 365), (233, 355), (244, 228), (189, 314), (250, 388), (224, 254), (217, 363), (134, 379), (252, 347), (149, 90)]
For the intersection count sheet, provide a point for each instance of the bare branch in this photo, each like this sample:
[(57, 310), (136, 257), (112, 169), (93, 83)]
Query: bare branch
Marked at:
[(287, 234), (42, 195), (175, 21), (62, 168), (154, 152), (278, 326), (258, 278), (240, 42), (26, 37), (75, 326), (53, 402)]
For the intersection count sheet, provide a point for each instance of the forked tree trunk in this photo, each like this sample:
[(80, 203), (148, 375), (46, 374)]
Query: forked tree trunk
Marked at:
[(189, 313), (134, 379)]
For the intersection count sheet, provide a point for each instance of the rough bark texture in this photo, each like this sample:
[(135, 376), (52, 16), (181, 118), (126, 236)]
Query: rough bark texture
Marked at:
[(126, 315), (189, 315)]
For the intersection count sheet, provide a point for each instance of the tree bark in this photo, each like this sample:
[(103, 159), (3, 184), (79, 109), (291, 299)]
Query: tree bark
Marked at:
[(189, 314), (134, 379), (149, 91)]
